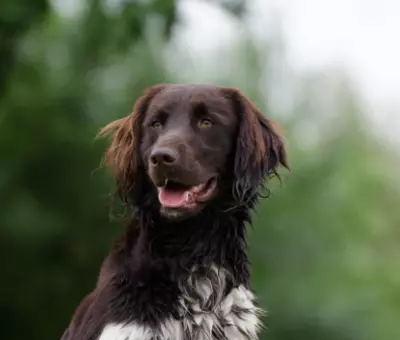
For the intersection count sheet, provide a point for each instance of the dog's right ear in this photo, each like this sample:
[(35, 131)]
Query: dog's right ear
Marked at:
[(123, 155)]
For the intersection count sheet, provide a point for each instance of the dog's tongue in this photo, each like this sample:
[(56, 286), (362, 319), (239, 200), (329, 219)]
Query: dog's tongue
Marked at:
[(172, 198)]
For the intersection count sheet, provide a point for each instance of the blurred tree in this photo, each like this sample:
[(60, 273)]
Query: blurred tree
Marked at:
[(324, 248), (16, 18)]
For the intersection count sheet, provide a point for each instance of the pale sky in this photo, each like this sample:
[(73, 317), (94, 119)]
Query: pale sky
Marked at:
[(364, 34)]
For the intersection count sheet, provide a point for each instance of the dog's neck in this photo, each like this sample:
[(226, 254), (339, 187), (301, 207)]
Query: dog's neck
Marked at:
[(200, 241)]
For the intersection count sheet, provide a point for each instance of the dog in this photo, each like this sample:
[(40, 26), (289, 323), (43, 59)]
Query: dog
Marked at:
[(190, 163)]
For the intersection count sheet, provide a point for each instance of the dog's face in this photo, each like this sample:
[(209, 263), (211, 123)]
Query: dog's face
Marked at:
[(193, 144), (187, 135)]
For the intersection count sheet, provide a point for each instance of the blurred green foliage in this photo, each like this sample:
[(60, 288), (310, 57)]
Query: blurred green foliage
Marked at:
[(324, 246)]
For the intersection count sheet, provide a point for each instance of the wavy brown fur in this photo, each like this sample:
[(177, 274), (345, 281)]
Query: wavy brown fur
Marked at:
[(150, 267)]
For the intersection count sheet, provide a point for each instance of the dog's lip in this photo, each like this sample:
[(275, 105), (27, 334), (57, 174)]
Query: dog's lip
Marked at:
[(194, 194), (204, 191)]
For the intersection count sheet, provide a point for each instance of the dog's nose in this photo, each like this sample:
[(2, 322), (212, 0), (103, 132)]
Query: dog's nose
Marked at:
[(163, 156)]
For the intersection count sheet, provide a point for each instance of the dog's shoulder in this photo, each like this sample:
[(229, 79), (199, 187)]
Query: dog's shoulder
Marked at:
[(84, 308), (208, 307), (79, 316)]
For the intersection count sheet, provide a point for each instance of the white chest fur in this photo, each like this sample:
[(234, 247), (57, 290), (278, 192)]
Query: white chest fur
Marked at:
[(204, 314)]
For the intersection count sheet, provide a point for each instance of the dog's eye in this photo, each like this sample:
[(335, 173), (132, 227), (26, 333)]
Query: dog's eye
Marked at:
[(205, 123), (156, 124)]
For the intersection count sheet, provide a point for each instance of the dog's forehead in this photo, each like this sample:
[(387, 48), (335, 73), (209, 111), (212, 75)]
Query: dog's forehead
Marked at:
[(176, 94)]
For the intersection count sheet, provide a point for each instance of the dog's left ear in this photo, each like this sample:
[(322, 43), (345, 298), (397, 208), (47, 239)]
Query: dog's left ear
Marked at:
[(260, 149)]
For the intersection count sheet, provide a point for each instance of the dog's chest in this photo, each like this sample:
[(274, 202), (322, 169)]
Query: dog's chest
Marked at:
[(206, 313)]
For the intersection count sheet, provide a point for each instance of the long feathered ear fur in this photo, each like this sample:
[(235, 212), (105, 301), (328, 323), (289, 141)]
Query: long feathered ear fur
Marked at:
[(260, 150), (123, 155)]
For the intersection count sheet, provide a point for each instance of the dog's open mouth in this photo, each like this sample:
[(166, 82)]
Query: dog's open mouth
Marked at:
[(176, 195)]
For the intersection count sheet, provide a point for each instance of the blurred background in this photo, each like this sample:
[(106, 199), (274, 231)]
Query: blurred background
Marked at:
[(325, 246)]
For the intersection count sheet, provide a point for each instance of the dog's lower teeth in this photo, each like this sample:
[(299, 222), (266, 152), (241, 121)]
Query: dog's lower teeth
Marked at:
[(188, 197)]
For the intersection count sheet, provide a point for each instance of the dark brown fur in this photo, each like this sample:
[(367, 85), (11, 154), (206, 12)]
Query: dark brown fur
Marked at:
[(138, 279)]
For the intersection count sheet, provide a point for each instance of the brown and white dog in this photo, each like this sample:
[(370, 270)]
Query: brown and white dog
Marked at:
[(190, 162)]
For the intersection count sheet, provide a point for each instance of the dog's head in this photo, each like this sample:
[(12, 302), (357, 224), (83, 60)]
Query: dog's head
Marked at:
[(189, 146)]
